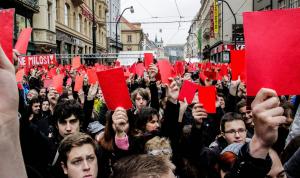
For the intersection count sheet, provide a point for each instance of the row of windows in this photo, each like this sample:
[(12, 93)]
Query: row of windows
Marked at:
[(282, 4), (80, 25)]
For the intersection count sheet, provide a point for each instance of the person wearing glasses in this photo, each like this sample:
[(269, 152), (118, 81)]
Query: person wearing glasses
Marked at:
[(233, 130)]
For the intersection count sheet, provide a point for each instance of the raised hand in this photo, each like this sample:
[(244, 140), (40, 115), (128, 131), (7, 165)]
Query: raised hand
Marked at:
[(120, 121), (267, 116), (173, 92), (12, 164), (199, 114), (92, 91), (153, 70)]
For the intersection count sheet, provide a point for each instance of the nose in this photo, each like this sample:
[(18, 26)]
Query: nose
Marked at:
[(68, 127), (237, 135), (86, 166)]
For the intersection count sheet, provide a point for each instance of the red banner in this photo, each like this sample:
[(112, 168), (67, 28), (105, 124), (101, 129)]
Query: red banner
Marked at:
[(44, 59)]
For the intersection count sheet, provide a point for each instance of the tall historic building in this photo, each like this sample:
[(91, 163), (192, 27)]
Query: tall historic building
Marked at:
[(111, 18), (74, 25)]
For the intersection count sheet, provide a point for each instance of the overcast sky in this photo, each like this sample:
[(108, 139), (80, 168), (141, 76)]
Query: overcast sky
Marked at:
[(162, 11)]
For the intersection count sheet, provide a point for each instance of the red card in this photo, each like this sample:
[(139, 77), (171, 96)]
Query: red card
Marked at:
[(224, 70), (6, 31), (202, 76), (114, 88), (92, 76), (78, 83), (187, 91), (23, 40), (48, 83), (140, 69), (58, 83), (148, 59), (76, 62), (211, 75), (273, 51), (179, 68), (132, 68), (192, 67), (207, 96), (19, 75), (237, 63), (165, 70)]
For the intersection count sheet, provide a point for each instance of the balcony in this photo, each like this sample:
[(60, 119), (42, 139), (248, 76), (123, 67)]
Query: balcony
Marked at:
[(77, 2), (30, 4)]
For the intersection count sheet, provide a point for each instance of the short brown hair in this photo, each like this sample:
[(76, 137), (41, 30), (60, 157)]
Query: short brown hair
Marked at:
[(141, 91), (138, 166), (71, 141)]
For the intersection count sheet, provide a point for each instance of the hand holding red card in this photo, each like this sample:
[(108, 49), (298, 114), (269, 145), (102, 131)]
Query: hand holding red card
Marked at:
[(187, 91), (114, 88), (207, 97)]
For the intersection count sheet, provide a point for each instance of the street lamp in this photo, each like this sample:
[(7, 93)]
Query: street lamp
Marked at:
[(132, 11), (234, 20), (94, 27)]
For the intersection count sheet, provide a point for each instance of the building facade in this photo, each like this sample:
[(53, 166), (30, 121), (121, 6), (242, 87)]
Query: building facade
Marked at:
[(111, 18), (259, 5), (174, 52), (74, 26), (131, 35)]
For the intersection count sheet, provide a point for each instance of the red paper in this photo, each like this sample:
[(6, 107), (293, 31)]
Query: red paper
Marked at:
[(207, 96), (114, 88), (58, 83), (22, 43), (48, 83), (179, 68), (192, 67), (92, 76), (76, 62), (273, 51), (78, 83), (237, 64), (19, 75), (148, 59), (202, 77), (211, 75), (165, 70), (140, 69), (6, 31), (187, 91)]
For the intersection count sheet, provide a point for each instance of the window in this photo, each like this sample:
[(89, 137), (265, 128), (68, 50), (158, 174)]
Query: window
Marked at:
[(129, 40), (282, 4), (85, 27), (294, 3), (67, 14), (49, 15), (74, 21), (78, 22), (100, 14)]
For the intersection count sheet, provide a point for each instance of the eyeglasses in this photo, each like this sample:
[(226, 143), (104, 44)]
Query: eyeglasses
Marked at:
[(239, 131)]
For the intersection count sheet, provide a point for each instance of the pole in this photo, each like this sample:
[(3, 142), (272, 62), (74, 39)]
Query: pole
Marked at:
[(234, 21), (94, 28), (117, 27)]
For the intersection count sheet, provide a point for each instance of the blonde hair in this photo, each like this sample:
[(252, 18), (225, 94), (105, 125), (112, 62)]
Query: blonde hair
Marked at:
[(158, 143)]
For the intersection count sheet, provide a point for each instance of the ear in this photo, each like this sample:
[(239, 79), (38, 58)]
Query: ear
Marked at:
[(64, 167)]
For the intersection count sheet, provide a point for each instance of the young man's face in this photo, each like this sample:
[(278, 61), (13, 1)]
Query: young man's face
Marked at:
[(81, 162), (140, 102), (36, 108), (235, 131), (68, 126), (246, 114), (42, 92)]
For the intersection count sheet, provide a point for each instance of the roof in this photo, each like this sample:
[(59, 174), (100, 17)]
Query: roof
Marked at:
[(132, 26)]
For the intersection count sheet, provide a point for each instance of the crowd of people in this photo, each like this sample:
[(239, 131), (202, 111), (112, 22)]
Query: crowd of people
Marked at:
[(48, 134)]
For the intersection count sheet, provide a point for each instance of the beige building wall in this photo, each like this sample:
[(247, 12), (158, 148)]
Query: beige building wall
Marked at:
[(74, 26), (131, 35)]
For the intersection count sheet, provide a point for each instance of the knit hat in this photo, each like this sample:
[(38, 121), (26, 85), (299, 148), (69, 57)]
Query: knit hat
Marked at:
[(95, 127)]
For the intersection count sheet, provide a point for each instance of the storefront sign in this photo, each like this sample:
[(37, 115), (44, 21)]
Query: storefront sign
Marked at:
[(216, 16)]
